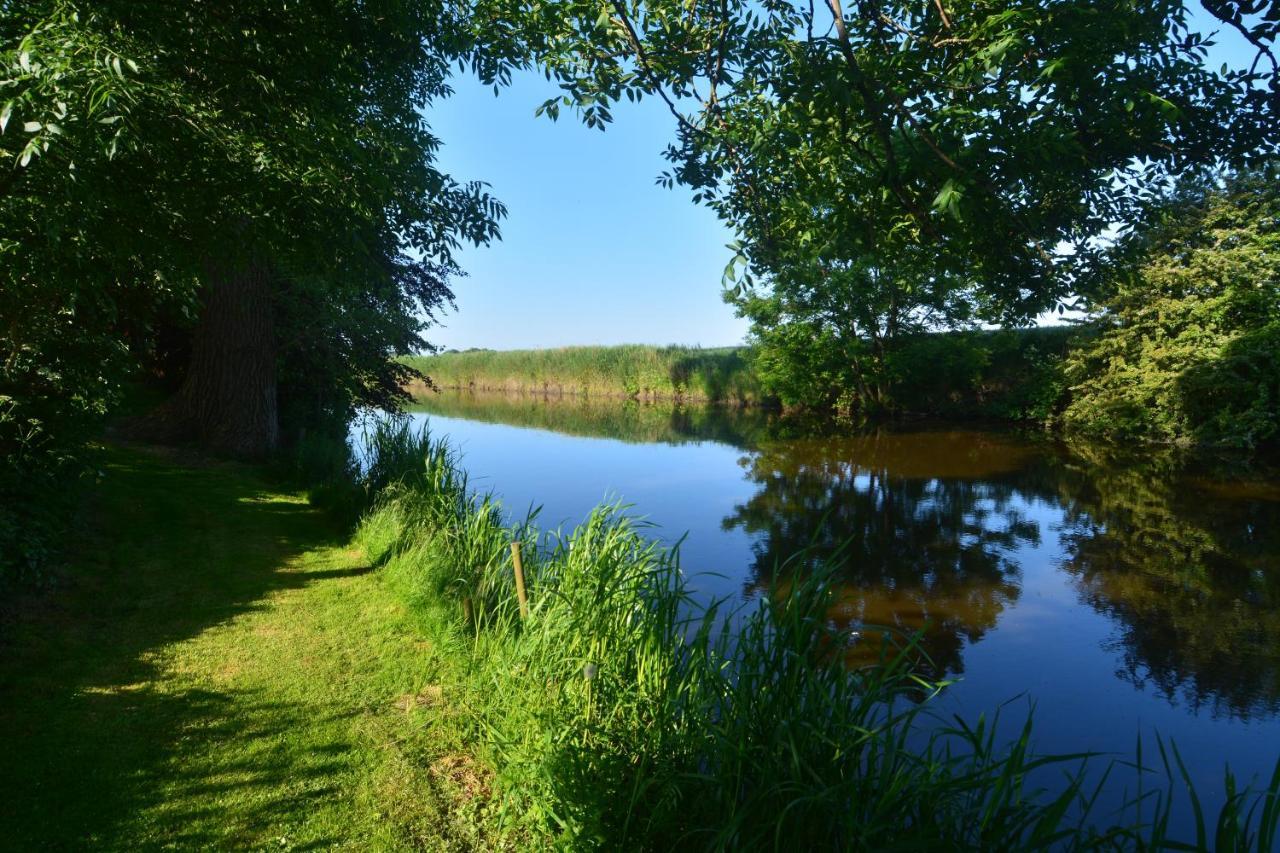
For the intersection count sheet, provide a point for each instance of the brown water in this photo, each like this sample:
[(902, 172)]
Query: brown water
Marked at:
[(1119, 593)]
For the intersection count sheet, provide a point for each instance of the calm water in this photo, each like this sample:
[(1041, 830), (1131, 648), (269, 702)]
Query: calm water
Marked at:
[(1119, 595)]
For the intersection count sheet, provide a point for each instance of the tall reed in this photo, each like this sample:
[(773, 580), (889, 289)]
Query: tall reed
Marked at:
[(623, 713), (633, 370)]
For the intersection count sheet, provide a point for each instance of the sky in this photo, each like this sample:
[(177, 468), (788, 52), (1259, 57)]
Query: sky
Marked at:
[(592, 250)]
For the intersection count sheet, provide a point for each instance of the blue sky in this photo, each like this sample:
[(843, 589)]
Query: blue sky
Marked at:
[(592, 252)]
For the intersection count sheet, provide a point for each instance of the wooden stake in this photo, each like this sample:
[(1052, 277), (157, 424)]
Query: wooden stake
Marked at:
[(519, 570)]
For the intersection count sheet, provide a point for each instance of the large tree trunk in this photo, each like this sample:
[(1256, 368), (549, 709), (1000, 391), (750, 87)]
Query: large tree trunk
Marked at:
[(228, 400)]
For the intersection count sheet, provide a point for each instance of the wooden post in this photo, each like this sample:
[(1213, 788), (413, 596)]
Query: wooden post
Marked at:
[(518, 566)]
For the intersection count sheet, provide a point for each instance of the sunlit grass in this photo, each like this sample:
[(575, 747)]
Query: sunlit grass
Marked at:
[(218, 669), (636, 371)]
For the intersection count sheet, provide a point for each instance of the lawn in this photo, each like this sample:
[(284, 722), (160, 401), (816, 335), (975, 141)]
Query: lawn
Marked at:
[(216, 668)]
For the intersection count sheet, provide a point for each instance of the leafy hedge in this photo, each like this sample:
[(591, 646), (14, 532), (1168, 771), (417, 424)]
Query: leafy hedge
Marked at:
[(1191, 348)]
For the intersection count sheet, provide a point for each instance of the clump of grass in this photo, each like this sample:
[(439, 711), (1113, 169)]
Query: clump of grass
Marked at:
[(623, 713)]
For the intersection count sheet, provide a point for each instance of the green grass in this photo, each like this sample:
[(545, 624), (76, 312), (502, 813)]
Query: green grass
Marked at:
[(634, 371), (219, 669)]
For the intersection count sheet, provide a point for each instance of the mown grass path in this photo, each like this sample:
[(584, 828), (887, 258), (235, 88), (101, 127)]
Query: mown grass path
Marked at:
[(218, 670)]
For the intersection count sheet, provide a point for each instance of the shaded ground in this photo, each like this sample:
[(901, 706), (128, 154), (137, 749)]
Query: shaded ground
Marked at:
[(218, 670)]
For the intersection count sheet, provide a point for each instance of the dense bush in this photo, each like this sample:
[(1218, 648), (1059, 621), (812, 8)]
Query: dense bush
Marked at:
[(1190, 352), (1013, 374)]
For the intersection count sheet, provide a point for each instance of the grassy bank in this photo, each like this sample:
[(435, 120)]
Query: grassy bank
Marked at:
[(630, 371), (222, 668), (216, 668), (1012, 374)]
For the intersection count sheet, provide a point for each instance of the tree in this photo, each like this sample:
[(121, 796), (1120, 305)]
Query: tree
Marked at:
[(822, 333), (235, 198), (906, 154), (1190, 346), (197, 163)]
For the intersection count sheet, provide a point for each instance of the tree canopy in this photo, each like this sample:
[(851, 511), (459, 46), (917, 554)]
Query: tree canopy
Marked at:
[(987, 133), (153, 150)]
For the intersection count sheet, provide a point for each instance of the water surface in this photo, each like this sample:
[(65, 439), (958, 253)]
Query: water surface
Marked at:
[(1119, 593)]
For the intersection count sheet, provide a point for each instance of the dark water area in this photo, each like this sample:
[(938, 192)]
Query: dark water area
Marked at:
[(1120, 593)]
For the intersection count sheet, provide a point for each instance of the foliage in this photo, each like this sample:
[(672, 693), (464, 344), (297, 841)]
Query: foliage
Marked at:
[(897, 167), (144, 144), (1010, 374), (904, 165), (622, 712), (637, 371), (1191, 349), (842, 320)]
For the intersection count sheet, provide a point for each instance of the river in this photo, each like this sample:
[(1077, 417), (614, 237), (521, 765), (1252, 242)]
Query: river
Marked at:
[(1118, 592)]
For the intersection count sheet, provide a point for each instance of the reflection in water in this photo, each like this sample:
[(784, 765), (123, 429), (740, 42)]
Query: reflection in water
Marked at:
[(917, 553), (1188, 568), (937, 529)]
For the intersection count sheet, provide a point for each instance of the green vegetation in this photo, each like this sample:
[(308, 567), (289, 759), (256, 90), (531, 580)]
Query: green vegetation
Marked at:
[(257, 239), (235, 201), (1012, 374), (894, 168), (222, 670), (1190, 350), (1009, 374), (635, 371), (219, 669), (1183, 348)]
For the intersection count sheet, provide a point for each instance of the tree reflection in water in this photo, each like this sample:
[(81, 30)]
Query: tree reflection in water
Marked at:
[(1188, 568), (925, 526), (1180, 554), (929, 526)]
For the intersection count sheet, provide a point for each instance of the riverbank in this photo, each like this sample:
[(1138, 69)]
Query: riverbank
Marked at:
[(222, 667), (633, 371), (1010, 375), (216, 668)]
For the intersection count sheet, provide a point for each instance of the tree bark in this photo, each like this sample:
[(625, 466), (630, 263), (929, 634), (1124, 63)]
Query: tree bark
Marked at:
[(228, 400)]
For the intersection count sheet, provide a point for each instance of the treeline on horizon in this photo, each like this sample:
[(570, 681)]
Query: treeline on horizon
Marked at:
[(997, 374)]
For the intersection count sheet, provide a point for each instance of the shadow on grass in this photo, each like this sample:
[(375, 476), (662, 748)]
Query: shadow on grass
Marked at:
[(92, 731)]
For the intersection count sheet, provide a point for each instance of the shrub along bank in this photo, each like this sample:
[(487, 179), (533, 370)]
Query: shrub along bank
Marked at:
[(1010, 374), (621, 713)]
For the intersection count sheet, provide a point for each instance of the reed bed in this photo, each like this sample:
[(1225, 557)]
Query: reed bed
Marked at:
[(630, 371), (623, 713)]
